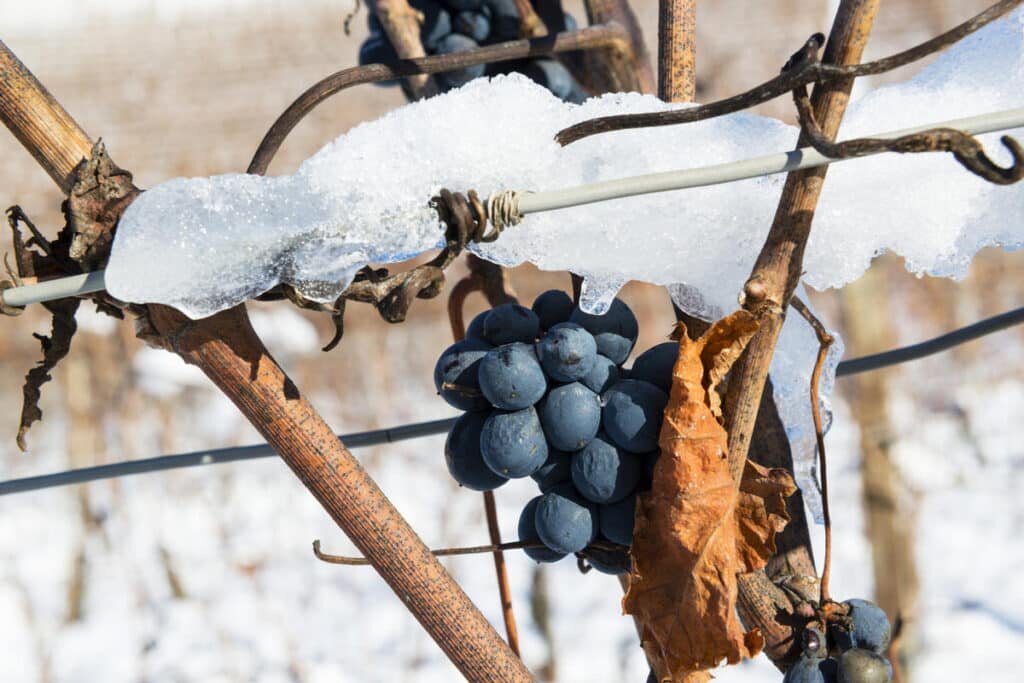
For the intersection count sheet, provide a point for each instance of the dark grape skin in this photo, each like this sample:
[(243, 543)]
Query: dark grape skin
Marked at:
[(811, 670), (571, 416), (555, 470), (472, 25), (456, 375), (450, 44), (565, 521), (871, 629), (505, 19), (476, 326), (632, 414), (863, 666), (509, 323), (376, 50), (436, 26), (617, 520), (552, 307), (555, 77), (528, 533), (604, 473), (464, 5), (567, 352), (463, 458), (602, 375), (655, 365), (512, 443), (510, 377), (615, 332), (613, 562)]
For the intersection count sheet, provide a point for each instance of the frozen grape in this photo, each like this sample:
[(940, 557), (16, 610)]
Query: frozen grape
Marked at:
[(863, 666), (457, 375), (617, 520), (464, 5), (571, 416), (475, 330), (566, 522), (450, 44), (528, 533), (504, 19), (436, 24), (556, 78), (509, 323), (602, 375), (555, 470), (632, 414), (871, 629), (463, 457), (512, 443), (511, 378), (612, 562), (604, 473), (377, 50), (615, 332), (813, 665), (655, 365), (552, 307), (472, 24), (567, 352)]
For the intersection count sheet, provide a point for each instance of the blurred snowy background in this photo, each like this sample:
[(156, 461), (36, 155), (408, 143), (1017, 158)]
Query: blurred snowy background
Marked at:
[(207, 575)]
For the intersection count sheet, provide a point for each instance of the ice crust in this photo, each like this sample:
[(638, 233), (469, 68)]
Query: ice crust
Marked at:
[(205, 244)]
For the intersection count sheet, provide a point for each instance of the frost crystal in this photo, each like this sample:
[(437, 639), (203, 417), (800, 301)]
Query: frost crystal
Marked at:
[(202, 245)]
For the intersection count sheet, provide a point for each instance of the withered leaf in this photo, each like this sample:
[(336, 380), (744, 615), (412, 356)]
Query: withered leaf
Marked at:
[(695, 530)]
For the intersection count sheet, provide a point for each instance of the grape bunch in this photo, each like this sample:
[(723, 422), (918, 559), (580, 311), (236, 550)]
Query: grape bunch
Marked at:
[(451, 26), (546, 397), (857, 652)]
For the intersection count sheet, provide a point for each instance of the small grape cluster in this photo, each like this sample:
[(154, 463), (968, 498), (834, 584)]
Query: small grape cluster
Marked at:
[(451, 26), (546, 396), (857, 652)]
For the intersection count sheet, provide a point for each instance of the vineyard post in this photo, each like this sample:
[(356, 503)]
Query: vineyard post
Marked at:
[(229, 352)]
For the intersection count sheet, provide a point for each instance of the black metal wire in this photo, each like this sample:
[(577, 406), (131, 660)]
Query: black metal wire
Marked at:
[(416, 430)]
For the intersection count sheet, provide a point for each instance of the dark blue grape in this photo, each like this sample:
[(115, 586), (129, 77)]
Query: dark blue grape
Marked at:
[(650, 460), (566, 522), (871, 629), (377, 50), (512, 443), (617, 520), (464, 5), (509, 323), (811, 670), (511, 378), (863, 666), (528, 533), (571, 416), (472, 24), (373, 24), (615, 332), (604, 473), (463, 457), (555, 470), (655, 365), (456, 375), (476, 326), (632, 414), (504, 19), (450, 44), (567, 352), (552, 75), (602, 376), (552, 307), (570, 23), (437, 24), (612, 562)]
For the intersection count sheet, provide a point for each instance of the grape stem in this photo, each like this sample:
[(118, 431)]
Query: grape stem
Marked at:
[(825, 341)]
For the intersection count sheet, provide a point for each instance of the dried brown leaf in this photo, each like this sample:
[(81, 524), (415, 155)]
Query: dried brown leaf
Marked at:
[(695, 530)]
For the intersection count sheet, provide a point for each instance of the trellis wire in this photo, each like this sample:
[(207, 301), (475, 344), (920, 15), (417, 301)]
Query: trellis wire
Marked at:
[(851, 366), (535, 202)]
